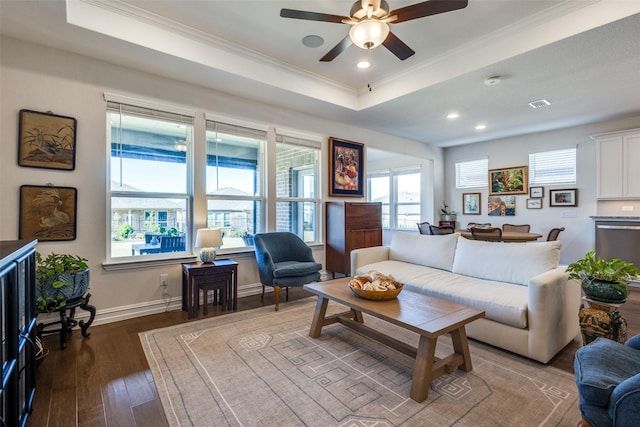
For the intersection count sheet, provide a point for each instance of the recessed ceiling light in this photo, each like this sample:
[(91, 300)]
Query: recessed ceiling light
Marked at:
[(539, 103), (312, 41), (364, 64), (481, 127), (453, 115)]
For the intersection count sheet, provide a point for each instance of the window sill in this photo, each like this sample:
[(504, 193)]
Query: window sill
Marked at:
[(133, 263)]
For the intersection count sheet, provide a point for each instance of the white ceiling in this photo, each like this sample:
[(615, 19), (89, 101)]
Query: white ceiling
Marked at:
[(583, 56)]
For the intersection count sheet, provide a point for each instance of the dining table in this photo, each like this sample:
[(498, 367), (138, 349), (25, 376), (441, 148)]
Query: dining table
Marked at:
[(507, 236)]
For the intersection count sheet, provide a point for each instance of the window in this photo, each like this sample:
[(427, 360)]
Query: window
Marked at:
[(297, 187), (399, 192), (234, 182), (149, 193), (472, 173), (553, 167)]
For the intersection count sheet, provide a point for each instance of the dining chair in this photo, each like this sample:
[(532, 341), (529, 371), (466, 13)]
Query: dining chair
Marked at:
[(437, 231), (553, 234), (524, 228), (491, 234), (423, 227), (478, 224)]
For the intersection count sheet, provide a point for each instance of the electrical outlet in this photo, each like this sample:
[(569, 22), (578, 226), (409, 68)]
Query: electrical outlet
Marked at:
[(164, 280)]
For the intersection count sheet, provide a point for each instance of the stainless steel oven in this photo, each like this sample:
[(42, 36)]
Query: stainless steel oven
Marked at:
[(619, 239)]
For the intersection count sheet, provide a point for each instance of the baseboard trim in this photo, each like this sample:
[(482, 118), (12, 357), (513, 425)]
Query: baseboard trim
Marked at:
[(125, 312)]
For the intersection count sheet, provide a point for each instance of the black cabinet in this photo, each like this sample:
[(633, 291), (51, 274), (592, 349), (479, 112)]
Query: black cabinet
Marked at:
[(18, 320)]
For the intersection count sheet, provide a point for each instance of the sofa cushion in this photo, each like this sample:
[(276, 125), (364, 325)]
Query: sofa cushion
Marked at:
[(502, 302), (295, 268), (505, 262), (421, 249)]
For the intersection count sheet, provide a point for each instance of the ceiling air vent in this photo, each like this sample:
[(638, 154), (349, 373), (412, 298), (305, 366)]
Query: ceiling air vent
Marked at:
[(539, 103)]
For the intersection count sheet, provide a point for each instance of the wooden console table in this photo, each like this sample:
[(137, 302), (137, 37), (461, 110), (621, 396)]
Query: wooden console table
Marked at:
[(209, 276)]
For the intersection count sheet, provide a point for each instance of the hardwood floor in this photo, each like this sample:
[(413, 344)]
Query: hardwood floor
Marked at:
[(104, 380)]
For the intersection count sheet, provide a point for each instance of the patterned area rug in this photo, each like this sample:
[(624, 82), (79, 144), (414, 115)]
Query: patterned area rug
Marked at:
[(260, 368)]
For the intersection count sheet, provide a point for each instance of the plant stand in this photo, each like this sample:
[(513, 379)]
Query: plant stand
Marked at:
[(599, 319), (67, 321)]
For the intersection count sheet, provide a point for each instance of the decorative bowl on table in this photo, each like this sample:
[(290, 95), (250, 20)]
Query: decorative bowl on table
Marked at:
[(375, 286)]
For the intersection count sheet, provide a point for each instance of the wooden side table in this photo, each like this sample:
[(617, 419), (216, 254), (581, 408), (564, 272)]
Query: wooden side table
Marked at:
[(209, 276)]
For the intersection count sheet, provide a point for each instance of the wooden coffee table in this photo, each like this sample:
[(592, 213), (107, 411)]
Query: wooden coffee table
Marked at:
[(428, 316)]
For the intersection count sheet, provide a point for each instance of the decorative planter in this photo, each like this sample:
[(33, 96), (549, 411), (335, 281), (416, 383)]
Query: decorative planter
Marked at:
[(451, 218), (603, 291), (78, 283)]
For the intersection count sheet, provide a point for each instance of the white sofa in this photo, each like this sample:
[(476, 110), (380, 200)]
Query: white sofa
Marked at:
[(531, 308)]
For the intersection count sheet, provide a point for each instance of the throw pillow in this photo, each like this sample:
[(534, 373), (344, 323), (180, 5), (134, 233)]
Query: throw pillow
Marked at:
[(505, 262), (424, 249)]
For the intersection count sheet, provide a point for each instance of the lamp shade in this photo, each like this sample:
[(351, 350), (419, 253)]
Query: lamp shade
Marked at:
[(369, 33), (208, 239)]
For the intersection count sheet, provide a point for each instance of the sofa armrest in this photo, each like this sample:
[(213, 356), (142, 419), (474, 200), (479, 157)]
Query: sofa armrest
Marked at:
[(554, 302), (364, 256), (624, 406)]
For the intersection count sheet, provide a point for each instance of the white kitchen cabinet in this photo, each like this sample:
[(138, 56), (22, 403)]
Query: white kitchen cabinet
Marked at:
[(617, 165)]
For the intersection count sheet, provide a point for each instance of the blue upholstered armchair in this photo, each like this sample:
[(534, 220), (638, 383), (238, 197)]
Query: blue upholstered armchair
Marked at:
[(608, 379), (284, 260)]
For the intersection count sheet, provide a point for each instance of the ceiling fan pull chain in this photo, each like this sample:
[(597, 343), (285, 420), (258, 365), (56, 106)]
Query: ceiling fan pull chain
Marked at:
[(369, 71)]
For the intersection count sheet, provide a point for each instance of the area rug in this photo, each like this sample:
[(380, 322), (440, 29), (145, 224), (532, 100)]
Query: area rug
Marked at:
[(260, 368)]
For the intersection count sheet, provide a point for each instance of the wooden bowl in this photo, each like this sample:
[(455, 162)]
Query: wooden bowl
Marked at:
[(377, 295)]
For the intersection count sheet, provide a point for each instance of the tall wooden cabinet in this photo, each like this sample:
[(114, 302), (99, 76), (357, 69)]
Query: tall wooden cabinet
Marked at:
[(350, 225), (18, 319)]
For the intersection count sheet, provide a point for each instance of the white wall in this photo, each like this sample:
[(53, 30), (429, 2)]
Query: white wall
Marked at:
[(44, 79), (579, 237)]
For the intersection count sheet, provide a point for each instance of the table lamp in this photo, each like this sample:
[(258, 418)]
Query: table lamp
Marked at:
[(208, 239)]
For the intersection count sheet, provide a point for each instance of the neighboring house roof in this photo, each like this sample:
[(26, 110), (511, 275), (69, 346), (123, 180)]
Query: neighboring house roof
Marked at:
[(122, 203)]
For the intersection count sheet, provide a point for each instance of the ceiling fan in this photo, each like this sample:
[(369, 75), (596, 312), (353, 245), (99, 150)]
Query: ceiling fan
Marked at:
[(370, 21)]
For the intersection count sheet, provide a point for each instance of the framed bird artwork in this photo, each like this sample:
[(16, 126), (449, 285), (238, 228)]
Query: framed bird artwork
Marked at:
[(48, 213), (46, 140)]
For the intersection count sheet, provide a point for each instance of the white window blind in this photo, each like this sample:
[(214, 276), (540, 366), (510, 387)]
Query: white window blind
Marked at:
[(472, 173), (553, 167)]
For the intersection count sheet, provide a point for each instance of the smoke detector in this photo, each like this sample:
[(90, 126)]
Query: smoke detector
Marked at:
[(492, 81)]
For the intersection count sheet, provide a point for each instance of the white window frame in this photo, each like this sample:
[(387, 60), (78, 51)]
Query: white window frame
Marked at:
[(293, 138), (150, 109), (393, 174), (546, 167), (468, 173), (249, 130)]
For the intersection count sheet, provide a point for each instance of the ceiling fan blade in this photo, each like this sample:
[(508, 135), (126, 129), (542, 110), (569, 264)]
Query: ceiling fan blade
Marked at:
[(397, 47), (427, 8), (311, 16), (337, 49)]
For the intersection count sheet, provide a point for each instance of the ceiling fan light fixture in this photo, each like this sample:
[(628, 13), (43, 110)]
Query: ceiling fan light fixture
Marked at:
[(369, 33)]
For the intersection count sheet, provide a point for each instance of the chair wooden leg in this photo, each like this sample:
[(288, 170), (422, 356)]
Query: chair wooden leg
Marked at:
[(276, 294), (287, 293), (584, 423), (262, 298)]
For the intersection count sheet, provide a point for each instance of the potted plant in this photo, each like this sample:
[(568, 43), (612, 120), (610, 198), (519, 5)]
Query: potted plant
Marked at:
[(59, 278), (603, 280), (447, 214)]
